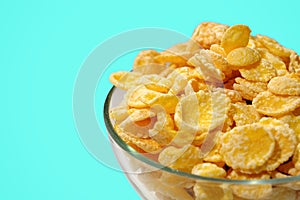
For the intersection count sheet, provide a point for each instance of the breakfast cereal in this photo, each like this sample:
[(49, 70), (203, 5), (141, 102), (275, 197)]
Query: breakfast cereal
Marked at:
[(225, 104)]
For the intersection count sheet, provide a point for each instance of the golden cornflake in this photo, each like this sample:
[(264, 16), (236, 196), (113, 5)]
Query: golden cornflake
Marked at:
[(202, 111), (245, 114), (273, 105), (249, 89), (209, 33), (276, 61), (285, 139), (273, 46), (293, 122), (263, 72), (209, 170), (241, 150), (285, 85), (243, 57), (234, 37), (294, 65), (125, 80), (251, 191)]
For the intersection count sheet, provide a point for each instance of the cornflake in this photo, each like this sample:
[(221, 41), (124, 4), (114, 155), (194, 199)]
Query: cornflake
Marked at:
[(276, 61), (249, 89), (244, 114), (273, 46), (251, 191), (202, 111), (274, 105), (240, 149), (124, 80), (263, 72), (293, 121), (235, 36), (209, 170), (285, 142), (243, 57), (285, 85), (209, 33)]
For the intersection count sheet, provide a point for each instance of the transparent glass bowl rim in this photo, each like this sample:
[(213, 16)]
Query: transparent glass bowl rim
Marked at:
[(139, 156)]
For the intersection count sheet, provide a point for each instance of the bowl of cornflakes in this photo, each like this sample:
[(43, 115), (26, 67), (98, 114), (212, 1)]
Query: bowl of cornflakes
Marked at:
[(215, 117)]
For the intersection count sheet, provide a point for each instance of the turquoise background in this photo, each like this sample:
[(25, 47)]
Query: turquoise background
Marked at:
[(42, 46)]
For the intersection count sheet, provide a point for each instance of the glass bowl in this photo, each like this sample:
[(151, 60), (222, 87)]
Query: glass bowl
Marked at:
[(153, 181)]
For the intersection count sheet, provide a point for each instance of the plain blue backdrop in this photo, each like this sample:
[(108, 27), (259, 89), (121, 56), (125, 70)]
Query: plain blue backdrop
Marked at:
[(42, 47)]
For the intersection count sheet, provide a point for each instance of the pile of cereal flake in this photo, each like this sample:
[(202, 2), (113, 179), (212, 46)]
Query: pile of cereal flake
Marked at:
[(223, 104)]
